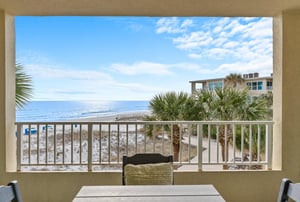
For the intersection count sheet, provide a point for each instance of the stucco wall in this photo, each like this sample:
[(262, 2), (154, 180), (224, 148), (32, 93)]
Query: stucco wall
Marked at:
[(291, 95), (234, 186), (2, 92)]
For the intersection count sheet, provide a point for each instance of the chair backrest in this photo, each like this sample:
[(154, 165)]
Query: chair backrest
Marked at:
[(10, 193), (144, 158), (288, 190)]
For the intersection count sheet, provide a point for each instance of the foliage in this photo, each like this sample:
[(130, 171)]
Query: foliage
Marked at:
[(169, 107), (257, 136), (222, 104), (199, 105), (227, 104), (232, 80), (269, 99), (151, 129), (24, 88)]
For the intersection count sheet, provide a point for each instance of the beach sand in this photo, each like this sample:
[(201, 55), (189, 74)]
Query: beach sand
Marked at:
[(69, 146), (128, 116)]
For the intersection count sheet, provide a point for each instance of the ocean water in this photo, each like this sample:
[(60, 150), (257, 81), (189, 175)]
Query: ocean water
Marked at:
[(66, 110)]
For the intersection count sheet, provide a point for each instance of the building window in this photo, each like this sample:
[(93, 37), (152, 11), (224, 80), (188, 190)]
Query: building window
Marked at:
[(255, 85), (269, 85), (260, 85), (214, 85)]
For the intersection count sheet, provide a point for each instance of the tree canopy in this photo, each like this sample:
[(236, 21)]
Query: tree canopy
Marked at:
[(232, 80)]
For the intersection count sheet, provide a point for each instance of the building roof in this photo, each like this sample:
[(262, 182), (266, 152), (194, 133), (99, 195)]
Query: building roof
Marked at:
[(218, 79), (206, 80)]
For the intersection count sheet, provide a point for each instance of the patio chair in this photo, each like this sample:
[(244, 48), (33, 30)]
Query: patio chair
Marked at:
[(147, 168), (10, 193), (288, 190)]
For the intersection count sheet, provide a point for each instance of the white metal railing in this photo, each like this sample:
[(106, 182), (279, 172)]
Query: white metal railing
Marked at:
[(101, 145)]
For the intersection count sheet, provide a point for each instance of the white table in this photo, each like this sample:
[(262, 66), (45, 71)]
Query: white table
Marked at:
[(145, 193)]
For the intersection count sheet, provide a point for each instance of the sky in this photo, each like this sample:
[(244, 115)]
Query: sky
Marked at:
[(135, 58)]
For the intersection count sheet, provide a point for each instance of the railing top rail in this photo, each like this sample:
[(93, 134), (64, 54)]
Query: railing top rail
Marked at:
[(147, 122)]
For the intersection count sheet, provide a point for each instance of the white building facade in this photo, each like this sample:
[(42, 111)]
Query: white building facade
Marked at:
[(257, 85)]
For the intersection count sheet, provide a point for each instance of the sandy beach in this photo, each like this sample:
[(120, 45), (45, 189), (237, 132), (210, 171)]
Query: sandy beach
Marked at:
[(126, 116), (67, 146)]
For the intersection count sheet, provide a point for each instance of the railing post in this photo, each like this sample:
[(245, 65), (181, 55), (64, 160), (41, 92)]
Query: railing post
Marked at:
[(269, 144), (90, 146), (180, 138), (190, 128), (19, 145), (199, 148), (172, 133)]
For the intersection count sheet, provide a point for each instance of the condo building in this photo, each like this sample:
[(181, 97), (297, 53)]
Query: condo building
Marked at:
[(257, 85)]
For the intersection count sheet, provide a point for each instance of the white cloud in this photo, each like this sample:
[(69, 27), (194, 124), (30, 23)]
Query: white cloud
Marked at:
[(188, 66), (135, 87), (218, 42), (53, 83), (187, 23), (142, 68), (157, 69), (261, 66), (41, 71), (219, 45), (232, 25), (168, 25), (222, 21), (244, 44), (172, 25), (193, 40), (260, 29), (229, 31), (247, 19), (195, 56), (219, 53), (231, 44)]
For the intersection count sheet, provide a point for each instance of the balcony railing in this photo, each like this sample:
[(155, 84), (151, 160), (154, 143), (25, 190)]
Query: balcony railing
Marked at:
[(77, 146)]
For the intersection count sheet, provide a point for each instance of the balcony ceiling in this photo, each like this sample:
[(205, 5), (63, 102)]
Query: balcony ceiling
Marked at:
[(149, 7)]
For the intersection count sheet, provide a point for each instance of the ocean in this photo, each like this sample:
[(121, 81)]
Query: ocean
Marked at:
[(66, 110)]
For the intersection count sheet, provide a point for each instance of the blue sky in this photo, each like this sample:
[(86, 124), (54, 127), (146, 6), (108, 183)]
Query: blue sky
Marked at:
[(134, 58)]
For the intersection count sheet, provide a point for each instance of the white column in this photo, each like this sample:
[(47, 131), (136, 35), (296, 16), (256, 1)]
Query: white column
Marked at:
[(277, 92), (193, 87), (7, 93)]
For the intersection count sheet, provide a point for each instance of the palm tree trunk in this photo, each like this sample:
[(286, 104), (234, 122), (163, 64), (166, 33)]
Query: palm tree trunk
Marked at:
[(224, 141), (176, 142)]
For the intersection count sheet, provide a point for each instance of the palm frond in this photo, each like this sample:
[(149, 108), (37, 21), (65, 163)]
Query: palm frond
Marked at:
[(24, 88)]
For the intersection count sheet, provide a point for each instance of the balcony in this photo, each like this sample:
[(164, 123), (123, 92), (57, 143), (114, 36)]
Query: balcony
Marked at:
[(252, 186), (98, 146)]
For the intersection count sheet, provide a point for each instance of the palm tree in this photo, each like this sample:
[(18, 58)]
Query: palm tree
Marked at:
[(198, 106), (24, 89), (232, 80), (269, 98), (256, 109), (227, 104), (170, 107)]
